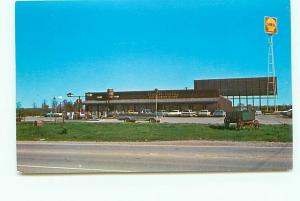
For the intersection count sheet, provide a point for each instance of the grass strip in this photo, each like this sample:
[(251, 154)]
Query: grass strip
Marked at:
[(132, 132)]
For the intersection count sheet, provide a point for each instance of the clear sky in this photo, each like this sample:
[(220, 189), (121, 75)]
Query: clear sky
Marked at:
[(78, 47)]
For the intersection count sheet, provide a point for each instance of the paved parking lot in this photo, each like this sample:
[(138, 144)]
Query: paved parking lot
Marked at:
[(263, 119)]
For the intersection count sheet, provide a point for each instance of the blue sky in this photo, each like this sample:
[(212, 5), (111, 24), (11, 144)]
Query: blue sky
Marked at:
[(142, 45)]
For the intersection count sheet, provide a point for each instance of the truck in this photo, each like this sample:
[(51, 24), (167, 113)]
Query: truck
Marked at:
[(144, 115)]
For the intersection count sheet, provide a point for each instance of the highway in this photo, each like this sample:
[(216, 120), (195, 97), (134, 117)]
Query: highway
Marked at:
[(186, 156)]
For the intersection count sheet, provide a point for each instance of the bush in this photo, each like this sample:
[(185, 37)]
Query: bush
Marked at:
[(64, 131)]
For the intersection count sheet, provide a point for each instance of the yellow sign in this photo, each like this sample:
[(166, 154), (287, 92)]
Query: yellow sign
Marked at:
[(163, 95), (271, 25)]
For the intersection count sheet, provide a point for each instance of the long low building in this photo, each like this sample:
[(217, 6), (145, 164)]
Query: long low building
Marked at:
[(210, 94), (165, 100)]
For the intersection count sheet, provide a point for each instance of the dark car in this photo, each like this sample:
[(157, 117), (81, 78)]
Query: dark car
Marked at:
[(219, 113)]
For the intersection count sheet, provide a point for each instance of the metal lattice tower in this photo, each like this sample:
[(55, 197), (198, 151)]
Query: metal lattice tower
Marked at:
[(271, 87)]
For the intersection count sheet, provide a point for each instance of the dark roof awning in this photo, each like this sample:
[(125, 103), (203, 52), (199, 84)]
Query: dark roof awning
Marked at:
[(141, 101)]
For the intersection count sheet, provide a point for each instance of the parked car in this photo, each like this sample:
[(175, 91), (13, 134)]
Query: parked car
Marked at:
[(174, 113), (145, 111), (188, 113), (258, 112), (53, 114), (203, 113), (82, 115), (288, 113), (163, 112), (112, 114), (219, 113), (144, 115), (48, 114)]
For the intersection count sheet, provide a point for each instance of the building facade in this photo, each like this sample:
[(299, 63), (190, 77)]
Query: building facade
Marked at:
[(124, 101), (209, 94)]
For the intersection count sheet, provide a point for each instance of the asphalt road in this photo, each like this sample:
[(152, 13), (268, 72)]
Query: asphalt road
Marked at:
[(190, 156)]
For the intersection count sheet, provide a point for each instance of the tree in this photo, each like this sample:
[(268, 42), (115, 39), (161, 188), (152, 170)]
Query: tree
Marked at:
[(45, 107), (54, 104), (68, 106)]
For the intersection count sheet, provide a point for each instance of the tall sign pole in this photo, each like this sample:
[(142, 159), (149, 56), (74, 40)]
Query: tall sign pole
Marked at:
[(271, 29)]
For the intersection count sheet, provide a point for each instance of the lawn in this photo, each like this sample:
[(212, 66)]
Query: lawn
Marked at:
[(78, 131)]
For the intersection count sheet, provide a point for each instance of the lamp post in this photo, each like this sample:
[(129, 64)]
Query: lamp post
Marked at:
[(79, 99)]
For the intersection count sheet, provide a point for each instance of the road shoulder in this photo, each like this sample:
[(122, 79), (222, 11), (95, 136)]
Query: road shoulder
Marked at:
[(173, 143)]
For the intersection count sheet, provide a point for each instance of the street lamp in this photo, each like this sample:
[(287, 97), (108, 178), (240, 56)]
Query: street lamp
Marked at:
[(70, 94), (79, 100)]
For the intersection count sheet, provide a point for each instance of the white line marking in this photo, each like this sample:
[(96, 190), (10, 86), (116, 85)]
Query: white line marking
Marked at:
[(70, 168)]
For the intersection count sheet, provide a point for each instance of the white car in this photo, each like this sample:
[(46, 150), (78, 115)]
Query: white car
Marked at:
[(54, 114), (203, 113), (174, 113), (188, 113), (258, 112), (82, 115), (288, 113)]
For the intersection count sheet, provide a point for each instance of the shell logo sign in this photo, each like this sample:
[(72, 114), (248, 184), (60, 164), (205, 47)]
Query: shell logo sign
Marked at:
[(271, 25)]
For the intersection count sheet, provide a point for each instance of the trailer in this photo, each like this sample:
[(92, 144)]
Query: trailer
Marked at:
[(241, 118)]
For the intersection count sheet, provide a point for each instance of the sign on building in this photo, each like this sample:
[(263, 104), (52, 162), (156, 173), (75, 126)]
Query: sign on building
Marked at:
[(257, 86)]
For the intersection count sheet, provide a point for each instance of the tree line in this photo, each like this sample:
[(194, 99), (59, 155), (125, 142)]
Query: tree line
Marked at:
[(55, 106)]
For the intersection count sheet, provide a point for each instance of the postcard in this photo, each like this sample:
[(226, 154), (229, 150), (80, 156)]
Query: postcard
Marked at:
[(153, 86)]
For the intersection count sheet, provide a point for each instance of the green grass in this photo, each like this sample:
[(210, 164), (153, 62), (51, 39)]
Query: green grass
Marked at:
[(78, 131)]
